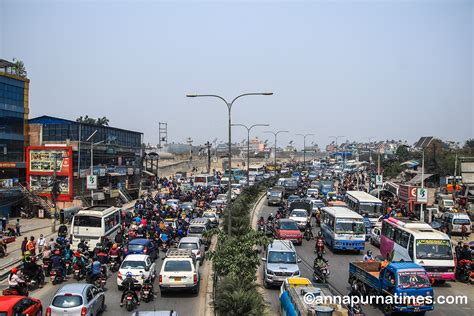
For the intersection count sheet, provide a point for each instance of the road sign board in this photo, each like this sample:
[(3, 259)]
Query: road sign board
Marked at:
[(422, 195), (379, 179), (91, 182)]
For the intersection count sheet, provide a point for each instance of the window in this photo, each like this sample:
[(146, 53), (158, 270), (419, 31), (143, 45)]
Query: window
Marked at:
[(67, 301), (175, 266), (89, 295), (410, 247), (404, 237), (87, 221)]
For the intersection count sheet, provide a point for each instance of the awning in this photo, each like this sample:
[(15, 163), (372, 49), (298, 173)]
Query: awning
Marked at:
[(417, 179), (410, 163), (148, 173), (113, 174)]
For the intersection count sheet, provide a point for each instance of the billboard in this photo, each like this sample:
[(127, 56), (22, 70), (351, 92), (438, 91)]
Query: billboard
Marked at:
[(42, 162), (467, 171)]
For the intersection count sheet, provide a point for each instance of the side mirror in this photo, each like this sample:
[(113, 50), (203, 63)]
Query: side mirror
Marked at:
[(264, 259), (147, 269), (299, 260)]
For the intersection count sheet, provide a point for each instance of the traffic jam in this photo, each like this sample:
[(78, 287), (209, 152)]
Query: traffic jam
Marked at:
[(157, 246), (321, 218)]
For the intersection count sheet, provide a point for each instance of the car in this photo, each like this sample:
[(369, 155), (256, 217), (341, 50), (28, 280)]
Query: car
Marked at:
[(293, 198), (280, 263), (312, 192), (173, 203), (193, 243), (77, 299), (171, 221), (288, 229), (213, 218), (138, 265), (188, 206), (375, 235), (13, 305), (300, 216), (142, 246), (156, 313), (180, 271), (267, 176), (275, 197), (236, 188), (222, 197), (198, 226)]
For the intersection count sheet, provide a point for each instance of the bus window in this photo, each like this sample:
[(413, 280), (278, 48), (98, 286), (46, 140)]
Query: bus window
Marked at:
[(410, 248), (87, 221)]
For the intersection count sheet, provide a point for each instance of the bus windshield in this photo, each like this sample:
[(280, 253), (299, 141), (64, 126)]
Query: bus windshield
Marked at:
[(349, 226), (439, 249), (412, 279), (372, 209), (87, 221)]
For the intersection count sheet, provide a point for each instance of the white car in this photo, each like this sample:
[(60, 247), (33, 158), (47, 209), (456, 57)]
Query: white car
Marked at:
[(375, 235), (141, 267), (300, 216), (180, 271), (236, 188), (193, 243)]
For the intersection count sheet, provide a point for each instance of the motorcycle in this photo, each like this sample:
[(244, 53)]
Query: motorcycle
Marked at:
[(79, 272), (56, 276), (26, 214), (464, 271), (319, 246), (146, 293), (114, 264), (355, 310), (46, 266), (36, 282), (308, 234), (68, 264), (13, 291), (321, 273), (261, 226), (101, 281), (130, 301)]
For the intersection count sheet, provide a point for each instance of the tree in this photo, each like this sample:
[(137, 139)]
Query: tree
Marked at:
[(103, 121), (19, 68)]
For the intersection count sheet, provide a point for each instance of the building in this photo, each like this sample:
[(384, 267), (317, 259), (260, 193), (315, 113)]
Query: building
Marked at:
[(14, 108), (116, 161)]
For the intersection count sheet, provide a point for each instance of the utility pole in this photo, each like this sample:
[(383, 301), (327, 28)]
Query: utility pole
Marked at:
[(208, 146), (378, 173), (304, 146), (54, 193), (422, 214), (455, 182)]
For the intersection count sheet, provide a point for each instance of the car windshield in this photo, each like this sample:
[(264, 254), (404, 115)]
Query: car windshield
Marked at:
[(461, 221), (298, 214), (133, 264), (412, 279), (282, 257), (177, 266), (135, 247), (347, 226), (188, 245), (196, 229), (208, 215), (288, 226), (275, 193), (448, 203), (439, 249), (67, 301)]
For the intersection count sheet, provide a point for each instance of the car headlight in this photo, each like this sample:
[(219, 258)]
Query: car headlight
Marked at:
[(296, 273), (270, 272)]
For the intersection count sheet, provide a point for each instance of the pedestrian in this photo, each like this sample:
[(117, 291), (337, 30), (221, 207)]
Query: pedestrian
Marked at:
[(17, 226), (23, 245), (31, 246), (41, 243), (463, 231), (51, 243)]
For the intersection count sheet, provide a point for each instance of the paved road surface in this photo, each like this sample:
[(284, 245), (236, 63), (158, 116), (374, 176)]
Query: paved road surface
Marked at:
[(339, 268)]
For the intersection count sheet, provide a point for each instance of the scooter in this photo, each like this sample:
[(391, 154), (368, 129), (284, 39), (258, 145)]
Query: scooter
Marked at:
[(37, 282), (13, 291), (308, 234), (114, 264), (146, 294), (46, 266), (56, 276), (319, 246), (130, 301), (79, 272), (321, 273), (464, 271)]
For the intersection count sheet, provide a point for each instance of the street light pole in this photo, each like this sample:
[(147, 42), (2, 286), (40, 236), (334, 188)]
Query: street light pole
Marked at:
[(275, 153), (248, 144), (304, 146), (229, 108)]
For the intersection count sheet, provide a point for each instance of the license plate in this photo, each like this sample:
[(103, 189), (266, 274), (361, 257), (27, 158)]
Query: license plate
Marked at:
[(177, 279), (145, 292)]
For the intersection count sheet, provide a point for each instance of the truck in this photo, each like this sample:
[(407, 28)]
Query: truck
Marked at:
[(406, 282), (325, 187), (290, 185), (299, 297)]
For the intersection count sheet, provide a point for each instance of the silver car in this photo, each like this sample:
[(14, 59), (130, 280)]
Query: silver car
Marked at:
[(77, 299), (280, 263)]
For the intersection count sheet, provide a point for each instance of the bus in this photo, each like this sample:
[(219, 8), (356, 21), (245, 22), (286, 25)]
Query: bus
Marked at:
[(237, 174), (342, 228), (363, 203), (203, 180), (94, 223), (404, 239), (256, 170)]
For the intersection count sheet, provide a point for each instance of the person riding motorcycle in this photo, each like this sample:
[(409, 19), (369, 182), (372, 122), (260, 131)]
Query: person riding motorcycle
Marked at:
[(261, 221), (465, 253), (368, 256), (115, 252), (101, 256), (57, 263), (15, 282), (319, 242), (32, 270), (270, 218), (319, 261), (82, 246), (94, 272), (128, 286), (79, 260)]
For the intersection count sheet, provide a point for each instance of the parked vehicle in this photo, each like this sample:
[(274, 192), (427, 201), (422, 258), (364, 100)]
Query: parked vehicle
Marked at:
[(404, 279), (77, 299)]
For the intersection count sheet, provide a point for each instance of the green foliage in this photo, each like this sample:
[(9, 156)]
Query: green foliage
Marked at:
[(238, 296), (102, 121), (19, 68)]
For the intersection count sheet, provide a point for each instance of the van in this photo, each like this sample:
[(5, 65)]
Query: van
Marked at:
[(454, 221), (198, 226), (281, 262)]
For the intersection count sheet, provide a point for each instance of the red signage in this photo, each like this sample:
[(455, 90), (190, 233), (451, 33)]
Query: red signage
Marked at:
[(407, 192), (43, 163)]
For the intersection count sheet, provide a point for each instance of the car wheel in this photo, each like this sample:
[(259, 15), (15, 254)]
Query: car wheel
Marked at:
[(266, 284)]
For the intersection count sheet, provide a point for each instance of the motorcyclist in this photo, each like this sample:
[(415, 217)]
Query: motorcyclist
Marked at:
[(57, 263), (261, 221), (32, 270), (115, 252), (101, 256), (164, 238), (94, 272), (465, 253), (270, 218), (368, 256), (62, 231), (128, 287), (319, 242), (82, 246), (15, 282), (79, 260), (319, 261)]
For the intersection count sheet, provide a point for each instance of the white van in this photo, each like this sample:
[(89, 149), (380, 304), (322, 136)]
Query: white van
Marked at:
[(454, 222)]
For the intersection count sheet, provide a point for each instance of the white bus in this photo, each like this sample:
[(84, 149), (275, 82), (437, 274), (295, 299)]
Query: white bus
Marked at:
[(93, 223), (256, 170), (203, 180), (403, 239), (363, 203), (342, 228)]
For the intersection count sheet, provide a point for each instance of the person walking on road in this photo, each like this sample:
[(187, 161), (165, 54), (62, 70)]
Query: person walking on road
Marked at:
[(17, 226), (41, 243), (31, 246), (23, 246), (463, 231)]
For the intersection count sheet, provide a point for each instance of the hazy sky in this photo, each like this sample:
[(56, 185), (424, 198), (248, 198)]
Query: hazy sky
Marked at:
[(389, 69)]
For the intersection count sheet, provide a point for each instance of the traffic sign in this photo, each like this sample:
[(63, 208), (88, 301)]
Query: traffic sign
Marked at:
[(379, 179), (91, 182), (422, 195)]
